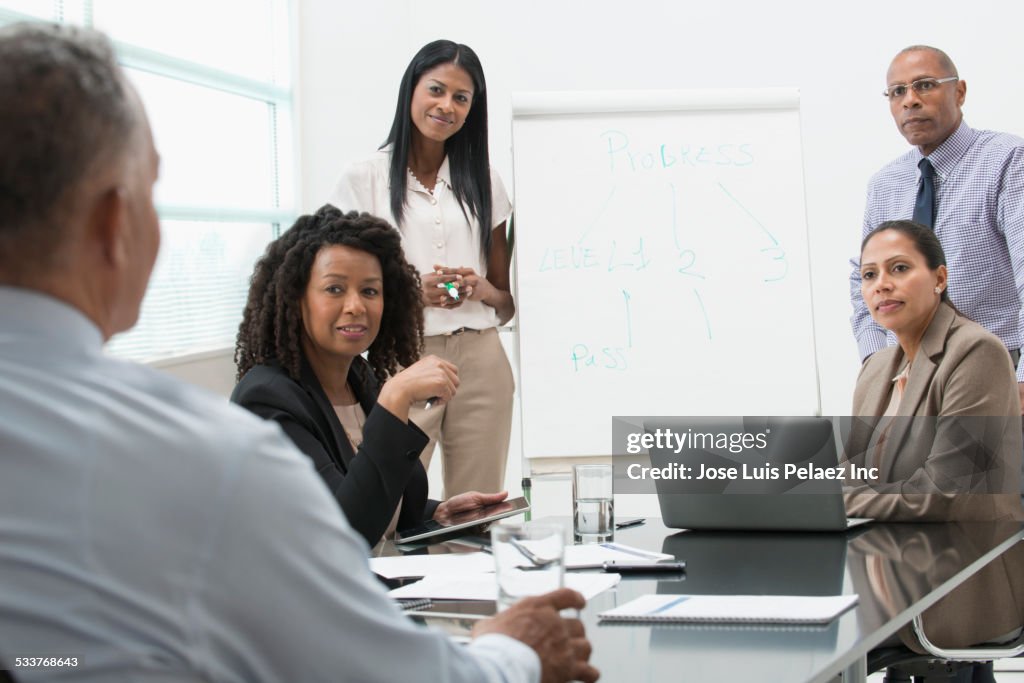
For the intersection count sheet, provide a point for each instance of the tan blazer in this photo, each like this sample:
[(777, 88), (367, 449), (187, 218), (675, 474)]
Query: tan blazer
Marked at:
[(950, 468), (964, 464)]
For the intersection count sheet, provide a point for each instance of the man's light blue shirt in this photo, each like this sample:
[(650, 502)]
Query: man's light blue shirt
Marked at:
[(158, 533)]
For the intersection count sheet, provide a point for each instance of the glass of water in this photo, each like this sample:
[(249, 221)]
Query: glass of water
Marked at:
[(528, 559), (593, 516)]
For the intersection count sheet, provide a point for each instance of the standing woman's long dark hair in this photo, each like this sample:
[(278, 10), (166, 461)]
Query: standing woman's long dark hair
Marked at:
[(467, 151)]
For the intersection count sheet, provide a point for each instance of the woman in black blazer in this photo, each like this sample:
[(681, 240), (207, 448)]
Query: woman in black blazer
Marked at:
[(328, 290)]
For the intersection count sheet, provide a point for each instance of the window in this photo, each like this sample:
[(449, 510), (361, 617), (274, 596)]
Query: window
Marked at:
[(215, 79)]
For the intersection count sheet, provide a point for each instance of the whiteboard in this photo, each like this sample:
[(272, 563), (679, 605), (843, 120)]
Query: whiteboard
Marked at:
[(661, 261)]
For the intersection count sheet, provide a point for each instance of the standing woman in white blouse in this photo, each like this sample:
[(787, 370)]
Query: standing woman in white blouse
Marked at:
[(433, 180)]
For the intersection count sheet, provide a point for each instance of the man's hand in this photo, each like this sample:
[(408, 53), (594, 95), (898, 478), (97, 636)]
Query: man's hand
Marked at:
[(561, 644)]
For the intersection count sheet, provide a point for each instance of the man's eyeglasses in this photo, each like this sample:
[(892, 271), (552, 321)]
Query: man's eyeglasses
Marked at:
[(921, 86)]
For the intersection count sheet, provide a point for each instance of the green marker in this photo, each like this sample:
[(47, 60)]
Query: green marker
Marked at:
[(453, 291)]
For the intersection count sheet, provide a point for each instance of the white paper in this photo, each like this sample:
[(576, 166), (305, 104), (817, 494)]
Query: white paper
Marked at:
[(426, 565), (485, 586), (733, 608)]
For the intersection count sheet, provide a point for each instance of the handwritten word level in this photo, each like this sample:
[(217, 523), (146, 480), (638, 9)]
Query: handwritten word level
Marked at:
[(613, 257)]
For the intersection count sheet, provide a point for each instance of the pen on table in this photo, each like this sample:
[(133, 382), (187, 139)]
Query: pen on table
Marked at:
[(656, 568), (471, 544), (630, 523)]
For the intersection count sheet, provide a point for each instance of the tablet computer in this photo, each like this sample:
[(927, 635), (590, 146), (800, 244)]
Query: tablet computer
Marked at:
[(463, 520)]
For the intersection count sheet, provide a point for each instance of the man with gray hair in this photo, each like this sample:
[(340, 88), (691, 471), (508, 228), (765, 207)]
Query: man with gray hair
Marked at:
[(152, 531)]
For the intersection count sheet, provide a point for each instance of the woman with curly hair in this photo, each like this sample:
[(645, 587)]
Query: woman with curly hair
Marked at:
[(329, 289)]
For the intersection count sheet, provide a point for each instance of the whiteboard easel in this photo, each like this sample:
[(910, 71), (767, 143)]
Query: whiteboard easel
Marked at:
[(662, 261)]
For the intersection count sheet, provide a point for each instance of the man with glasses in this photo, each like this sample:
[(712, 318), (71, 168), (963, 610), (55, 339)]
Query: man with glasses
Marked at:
[(966, 184)]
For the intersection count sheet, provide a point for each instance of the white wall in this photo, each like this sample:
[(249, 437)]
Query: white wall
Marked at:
[(352, 56)]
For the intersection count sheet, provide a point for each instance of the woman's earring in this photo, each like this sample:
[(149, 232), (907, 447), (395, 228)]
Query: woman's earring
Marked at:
[(938, 290)]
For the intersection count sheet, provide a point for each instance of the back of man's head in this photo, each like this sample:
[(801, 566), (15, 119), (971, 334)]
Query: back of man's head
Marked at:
[(65, 111)]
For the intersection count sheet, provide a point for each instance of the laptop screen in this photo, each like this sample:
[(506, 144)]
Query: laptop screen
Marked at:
[(746, 472)]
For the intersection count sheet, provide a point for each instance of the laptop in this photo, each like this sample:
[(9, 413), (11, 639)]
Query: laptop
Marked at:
[(763, 487)]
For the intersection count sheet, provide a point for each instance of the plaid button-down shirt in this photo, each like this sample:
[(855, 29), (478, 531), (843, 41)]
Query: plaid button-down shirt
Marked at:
[(979, 219)]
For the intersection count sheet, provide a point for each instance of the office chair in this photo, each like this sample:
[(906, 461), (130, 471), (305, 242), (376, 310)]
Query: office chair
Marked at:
[(903, 665)]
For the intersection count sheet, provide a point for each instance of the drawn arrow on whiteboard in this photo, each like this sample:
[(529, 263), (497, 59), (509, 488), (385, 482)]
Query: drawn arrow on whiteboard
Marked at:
[(629, 321), (745, 210)]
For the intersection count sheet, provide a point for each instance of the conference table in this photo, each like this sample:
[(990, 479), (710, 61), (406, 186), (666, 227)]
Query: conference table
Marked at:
[(920, 563)]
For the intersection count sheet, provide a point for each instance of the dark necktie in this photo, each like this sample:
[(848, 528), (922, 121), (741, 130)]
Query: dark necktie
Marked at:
[(924, 207)]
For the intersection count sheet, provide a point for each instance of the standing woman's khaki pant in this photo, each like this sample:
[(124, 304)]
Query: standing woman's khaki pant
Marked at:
[(474, 428)]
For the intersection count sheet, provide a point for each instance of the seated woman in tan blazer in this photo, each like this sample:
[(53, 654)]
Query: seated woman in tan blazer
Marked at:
[(938, 420)]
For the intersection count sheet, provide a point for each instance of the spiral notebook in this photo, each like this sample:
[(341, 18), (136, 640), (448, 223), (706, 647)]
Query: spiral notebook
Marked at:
[(738, 609)]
